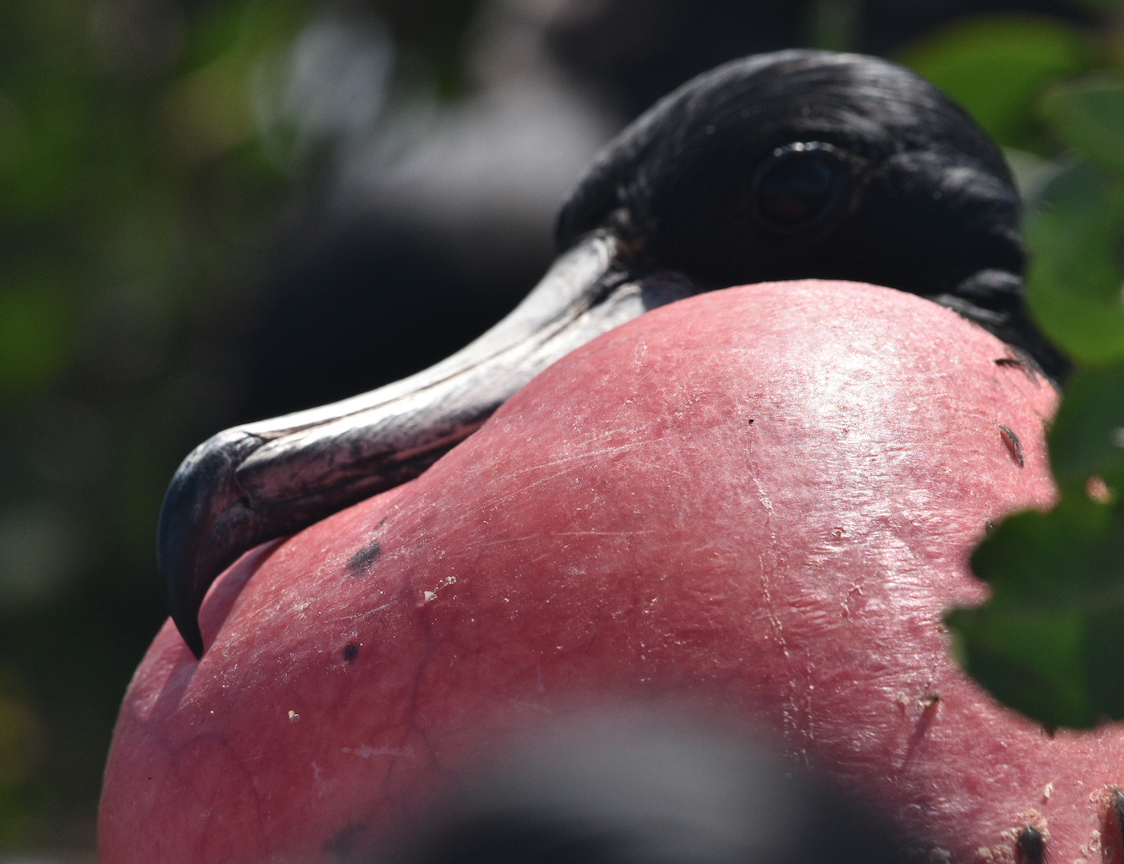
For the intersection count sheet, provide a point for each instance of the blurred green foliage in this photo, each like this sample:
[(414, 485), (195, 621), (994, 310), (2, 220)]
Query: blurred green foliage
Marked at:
[(998, 67), (133, 197), (144, 162), (1050, 640)]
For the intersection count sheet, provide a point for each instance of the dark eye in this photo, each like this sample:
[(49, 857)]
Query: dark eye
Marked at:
[(799, 185)]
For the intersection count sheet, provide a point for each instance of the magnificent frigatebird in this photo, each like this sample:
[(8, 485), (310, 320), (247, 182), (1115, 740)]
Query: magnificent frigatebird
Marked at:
[(796, 164)]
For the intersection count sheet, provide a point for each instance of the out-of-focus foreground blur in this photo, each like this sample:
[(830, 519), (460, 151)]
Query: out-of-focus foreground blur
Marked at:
[(214, 211)]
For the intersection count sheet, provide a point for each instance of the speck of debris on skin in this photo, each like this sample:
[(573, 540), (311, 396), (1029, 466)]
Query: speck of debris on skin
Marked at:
[(930, 701), (294, 717), (350, 652), (1047, 791), (359, 562), (1097, 490), (1093, 847), (1014, 446), (430, 596)]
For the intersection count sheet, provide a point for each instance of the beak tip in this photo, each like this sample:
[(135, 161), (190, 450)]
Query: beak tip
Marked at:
[(177, 558), (189, 630), (199, 506), (180, 596)]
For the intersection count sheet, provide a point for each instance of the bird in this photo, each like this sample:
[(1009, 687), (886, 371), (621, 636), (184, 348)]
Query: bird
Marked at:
[(756, 502), (790, 165), (626, 788)]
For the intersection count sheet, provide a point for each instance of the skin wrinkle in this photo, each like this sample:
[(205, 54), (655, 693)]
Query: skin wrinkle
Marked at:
[(410, 726), (568, 461), (236, 764)]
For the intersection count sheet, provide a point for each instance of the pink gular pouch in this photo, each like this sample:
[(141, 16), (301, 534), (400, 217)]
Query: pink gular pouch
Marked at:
[(757, 501)]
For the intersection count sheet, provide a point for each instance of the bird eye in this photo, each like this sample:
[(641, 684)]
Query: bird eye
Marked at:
[(798, 185)]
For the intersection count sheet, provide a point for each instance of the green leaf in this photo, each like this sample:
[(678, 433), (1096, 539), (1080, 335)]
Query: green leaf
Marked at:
[(1050, 641), (1027, 659), (997, 66), (1075, 279), (1088, 115), (1087, 438)]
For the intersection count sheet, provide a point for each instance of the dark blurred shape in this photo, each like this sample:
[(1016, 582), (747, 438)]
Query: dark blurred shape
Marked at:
[(137, 39), (631, 52), (367, 306), (428, 227), (631, 790), (434, 28)]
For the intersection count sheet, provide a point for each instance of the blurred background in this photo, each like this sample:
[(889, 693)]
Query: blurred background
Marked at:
[(214, 211)]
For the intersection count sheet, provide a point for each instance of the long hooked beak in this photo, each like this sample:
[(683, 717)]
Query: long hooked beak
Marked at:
[(265, 480)]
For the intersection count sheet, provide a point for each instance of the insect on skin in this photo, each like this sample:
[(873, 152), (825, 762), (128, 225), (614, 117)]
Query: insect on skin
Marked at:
[(1030, 846), (1014, 446)]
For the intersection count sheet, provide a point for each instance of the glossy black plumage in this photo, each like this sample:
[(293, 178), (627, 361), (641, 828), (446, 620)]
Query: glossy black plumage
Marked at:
[(790, 165), (932, 208)]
